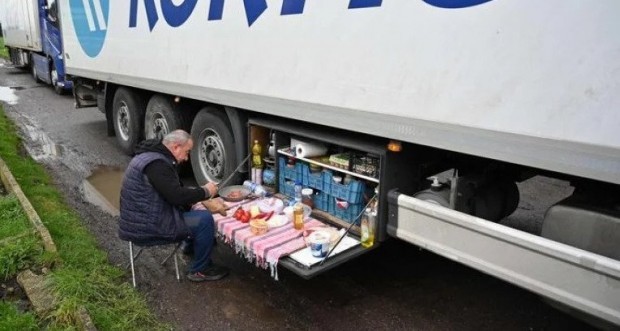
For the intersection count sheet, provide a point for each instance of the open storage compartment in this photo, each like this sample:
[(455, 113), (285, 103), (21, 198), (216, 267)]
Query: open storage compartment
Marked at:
[(344, 170)]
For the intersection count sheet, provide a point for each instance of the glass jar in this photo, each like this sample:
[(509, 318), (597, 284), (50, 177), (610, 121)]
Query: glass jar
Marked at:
[(298, 216), (306, 197)]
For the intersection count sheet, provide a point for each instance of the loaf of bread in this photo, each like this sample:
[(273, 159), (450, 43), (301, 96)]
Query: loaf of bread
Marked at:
[(216, 205)]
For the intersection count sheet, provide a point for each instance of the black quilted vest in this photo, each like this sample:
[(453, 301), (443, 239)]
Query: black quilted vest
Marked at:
[(145, 217)]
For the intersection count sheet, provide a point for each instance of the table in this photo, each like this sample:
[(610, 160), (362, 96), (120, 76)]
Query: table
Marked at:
[(264, 250)]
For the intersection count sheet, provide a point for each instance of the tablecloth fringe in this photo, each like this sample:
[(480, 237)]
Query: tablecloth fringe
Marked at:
[(242, 251)]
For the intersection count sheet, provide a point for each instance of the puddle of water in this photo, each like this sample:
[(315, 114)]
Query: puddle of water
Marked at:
[(103, 189), (7, 95)]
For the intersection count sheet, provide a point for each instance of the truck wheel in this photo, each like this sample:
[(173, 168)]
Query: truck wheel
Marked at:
[(54, 79), (128, 116), (163, 117), (213, 156), (34, 72)]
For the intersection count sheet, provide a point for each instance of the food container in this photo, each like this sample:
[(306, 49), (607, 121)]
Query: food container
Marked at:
[(340, 160), (367, 165), (319, 243), (331, 233), (258, 227)]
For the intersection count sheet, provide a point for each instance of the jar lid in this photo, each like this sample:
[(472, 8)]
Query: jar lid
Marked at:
[(306, 191)]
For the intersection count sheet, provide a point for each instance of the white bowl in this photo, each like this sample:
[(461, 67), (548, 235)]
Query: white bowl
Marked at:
[(288, 211), (277, 221), (271, 204)]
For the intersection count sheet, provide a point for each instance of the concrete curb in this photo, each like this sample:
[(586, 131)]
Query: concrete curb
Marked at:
[(12, 186), (38, 295)]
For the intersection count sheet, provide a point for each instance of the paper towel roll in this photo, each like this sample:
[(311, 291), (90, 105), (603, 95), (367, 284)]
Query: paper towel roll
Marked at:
[(308, 149)]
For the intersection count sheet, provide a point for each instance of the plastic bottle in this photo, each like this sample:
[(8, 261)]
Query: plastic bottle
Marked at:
[(256, 189), (249, 184), (298, 216), (368, 227), (298, 189)]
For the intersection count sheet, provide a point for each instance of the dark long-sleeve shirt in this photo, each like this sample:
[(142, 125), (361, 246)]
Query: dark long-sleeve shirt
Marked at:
[(166, 181)]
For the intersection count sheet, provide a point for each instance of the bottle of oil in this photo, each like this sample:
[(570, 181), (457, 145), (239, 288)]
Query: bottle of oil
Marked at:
[(257, 163), (298, 216), (257, 150), (368, 227)]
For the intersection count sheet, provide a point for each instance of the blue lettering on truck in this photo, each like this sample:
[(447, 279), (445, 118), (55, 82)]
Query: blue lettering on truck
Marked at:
[(90, 17)]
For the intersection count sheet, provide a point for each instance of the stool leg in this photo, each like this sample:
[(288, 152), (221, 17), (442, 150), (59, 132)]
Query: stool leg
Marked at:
[(133, 272), (171, 254), (176, 268)]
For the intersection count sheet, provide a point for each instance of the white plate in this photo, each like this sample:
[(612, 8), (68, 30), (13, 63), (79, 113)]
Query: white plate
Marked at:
[(277, 221)]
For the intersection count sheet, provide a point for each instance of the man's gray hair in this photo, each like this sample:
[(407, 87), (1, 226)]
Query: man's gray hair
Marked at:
[(176, 137)]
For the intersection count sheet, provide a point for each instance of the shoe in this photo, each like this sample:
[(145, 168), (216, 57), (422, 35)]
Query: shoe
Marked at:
[(214, 272)]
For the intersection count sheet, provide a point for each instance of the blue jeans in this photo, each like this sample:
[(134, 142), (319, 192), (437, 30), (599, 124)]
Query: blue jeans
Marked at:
[(201, 225)]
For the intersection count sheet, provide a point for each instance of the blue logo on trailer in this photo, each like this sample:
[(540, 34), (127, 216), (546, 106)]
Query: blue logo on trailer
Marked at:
[(90, 17), (176, 15), (455, 3), (90, 20)]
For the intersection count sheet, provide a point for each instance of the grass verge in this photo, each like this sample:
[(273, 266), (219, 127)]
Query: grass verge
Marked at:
[(3, 51), (83, 276), (12, 319)]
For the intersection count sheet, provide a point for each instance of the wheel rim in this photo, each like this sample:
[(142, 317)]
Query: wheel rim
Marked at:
[(158, 128), (34, 71), (122, 120), (54, 75), (212, 155)]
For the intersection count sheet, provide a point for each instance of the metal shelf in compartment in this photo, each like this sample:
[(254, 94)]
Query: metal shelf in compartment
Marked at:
[(286, 151)]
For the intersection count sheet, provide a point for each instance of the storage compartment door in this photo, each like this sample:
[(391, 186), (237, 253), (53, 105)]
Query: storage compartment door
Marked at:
[(329, 263)]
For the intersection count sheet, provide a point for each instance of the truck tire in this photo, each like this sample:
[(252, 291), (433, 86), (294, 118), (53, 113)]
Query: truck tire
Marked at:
[(162, 116), (34, 72), (213, 157), (54, 79), (128, 117)]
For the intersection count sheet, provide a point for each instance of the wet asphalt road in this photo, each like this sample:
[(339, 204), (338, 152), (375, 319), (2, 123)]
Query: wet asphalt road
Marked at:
[(397, 286)]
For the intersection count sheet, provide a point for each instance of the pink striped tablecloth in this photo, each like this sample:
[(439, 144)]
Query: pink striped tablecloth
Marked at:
[(264, 250)]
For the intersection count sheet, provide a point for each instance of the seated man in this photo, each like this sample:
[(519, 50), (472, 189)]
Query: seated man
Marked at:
[(153, 203)]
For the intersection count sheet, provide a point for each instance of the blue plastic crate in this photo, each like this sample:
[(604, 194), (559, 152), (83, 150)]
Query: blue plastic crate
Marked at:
[(352, 192), (321, 201), (310, 179), (287, 188), (292, 173), (348, 214)]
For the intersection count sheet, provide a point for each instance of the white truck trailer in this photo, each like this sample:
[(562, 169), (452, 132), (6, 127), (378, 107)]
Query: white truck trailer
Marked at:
[(493, 91), (20, 28), (32, 37)]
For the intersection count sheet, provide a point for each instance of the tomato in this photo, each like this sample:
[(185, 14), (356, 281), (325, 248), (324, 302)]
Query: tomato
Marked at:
[(246, 217), (238, 213)]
